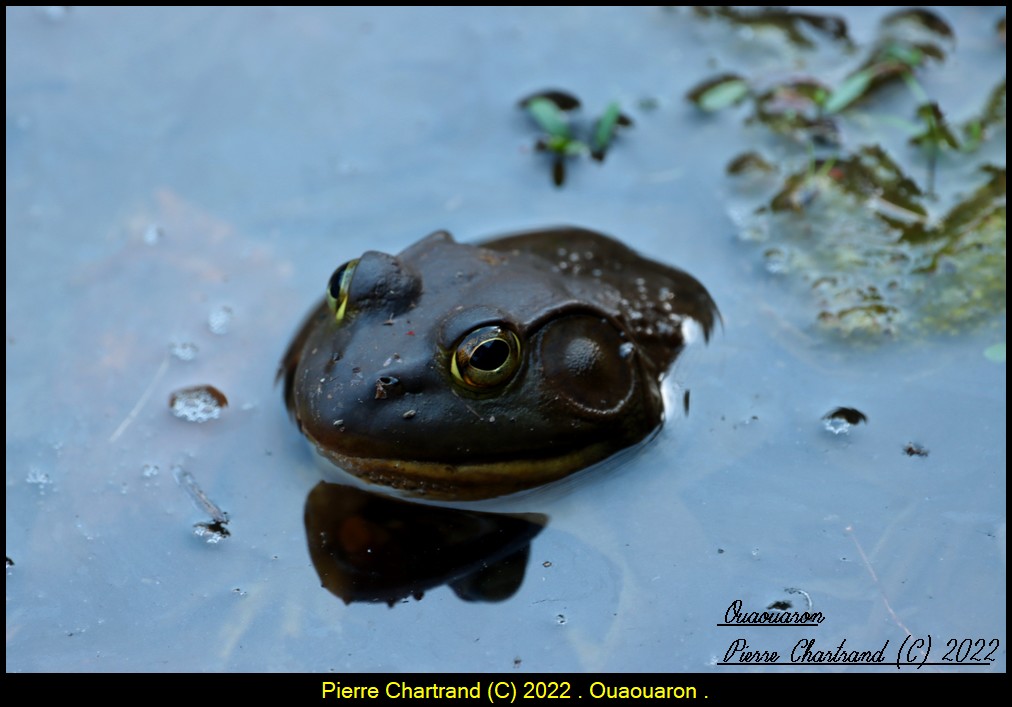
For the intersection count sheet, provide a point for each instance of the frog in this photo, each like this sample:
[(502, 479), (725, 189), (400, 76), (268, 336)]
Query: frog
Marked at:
[(458, 371)]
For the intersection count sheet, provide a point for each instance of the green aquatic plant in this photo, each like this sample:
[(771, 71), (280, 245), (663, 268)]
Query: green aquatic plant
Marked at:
[(908, 39), (859, 234), (793, 25), (720, 92), (796, 108), (550, 112), (872, 246), (991, 119), (995, 353), (750, 163), (808, 108), (605, 128)]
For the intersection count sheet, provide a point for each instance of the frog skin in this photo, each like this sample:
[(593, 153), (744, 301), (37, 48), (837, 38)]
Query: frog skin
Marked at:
[(457, 371)]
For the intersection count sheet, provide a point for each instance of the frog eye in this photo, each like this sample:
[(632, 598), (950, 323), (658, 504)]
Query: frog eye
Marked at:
[(337, 289), (485, 358)]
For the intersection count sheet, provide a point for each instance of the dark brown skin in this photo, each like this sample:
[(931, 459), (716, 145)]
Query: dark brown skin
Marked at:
[(593, 325)]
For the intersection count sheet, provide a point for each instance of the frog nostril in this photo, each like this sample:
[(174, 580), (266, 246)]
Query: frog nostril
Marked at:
[(388, 387)]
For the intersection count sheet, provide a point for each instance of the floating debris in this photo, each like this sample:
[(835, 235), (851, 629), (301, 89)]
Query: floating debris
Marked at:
[(216, 530), (802, 592), (198, 404), (912, 449), (840, 420), (213, 533)]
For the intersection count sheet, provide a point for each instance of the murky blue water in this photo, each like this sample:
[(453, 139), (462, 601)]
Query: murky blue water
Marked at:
[(182, 183)]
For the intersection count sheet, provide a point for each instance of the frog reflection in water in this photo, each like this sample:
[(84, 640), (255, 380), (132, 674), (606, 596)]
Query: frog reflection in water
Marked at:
[(460, 371)]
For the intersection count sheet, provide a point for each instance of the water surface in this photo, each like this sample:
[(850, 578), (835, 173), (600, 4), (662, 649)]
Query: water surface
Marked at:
[(182, 183)]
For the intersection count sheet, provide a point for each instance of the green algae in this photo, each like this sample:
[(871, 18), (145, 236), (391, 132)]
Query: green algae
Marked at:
[(849, 223)]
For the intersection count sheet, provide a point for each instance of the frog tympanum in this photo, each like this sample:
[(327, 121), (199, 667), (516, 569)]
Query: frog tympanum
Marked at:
[(459, 371)]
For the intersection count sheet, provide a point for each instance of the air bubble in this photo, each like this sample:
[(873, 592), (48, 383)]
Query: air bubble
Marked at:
[(185, 351), (198, 404), (38, 477), (219, 320), (837, 427), (153, 234), (776, 261)]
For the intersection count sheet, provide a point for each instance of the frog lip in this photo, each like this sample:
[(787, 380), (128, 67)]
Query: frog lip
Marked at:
[(468, 480)]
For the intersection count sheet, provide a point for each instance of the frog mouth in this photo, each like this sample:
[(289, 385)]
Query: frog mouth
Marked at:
[(469, 481)]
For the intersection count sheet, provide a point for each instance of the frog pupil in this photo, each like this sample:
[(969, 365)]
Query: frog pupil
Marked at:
[(334, 287), (490, 355)]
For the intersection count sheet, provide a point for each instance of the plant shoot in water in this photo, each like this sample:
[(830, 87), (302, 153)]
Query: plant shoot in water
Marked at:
[(877, 250), (550, 111)]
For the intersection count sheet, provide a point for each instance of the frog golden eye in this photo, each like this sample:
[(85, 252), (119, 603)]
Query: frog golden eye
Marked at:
[(485, 358), (337, 289)]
